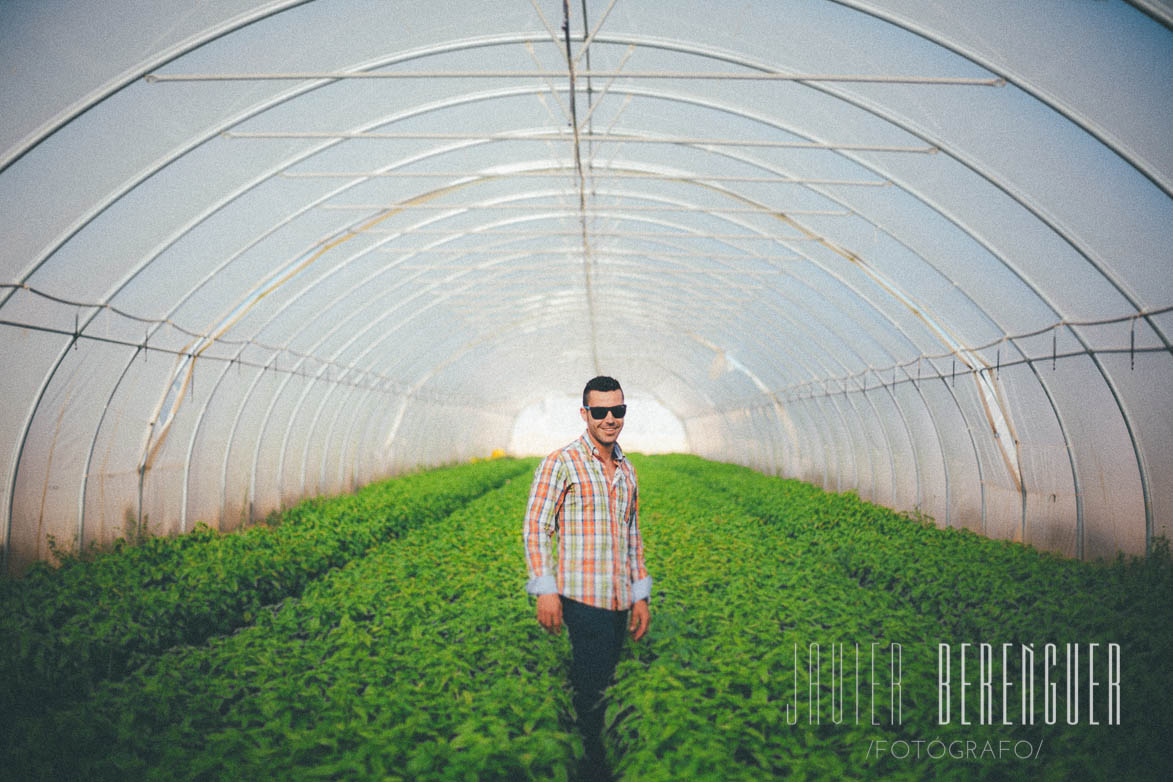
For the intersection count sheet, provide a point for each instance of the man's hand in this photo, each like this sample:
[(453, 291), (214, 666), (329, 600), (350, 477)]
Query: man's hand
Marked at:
[(641, 617), (550, 612)]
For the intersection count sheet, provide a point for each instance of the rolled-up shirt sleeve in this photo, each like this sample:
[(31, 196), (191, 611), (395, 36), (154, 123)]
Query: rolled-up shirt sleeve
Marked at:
[(641, 582), (541, 525)]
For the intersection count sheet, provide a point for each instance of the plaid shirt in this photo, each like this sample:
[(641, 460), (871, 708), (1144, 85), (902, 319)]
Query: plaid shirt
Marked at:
[(600, 552)]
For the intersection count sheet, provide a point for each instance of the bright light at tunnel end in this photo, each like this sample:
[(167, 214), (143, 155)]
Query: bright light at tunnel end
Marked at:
[(551, 423)]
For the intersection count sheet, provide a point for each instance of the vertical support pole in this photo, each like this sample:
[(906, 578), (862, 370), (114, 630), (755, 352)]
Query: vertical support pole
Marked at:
[(1132, 346)]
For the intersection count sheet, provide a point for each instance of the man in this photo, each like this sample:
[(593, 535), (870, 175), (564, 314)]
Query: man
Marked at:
[(585, 496)]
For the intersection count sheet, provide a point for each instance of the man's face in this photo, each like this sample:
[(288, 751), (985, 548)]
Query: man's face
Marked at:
[(606, 431)]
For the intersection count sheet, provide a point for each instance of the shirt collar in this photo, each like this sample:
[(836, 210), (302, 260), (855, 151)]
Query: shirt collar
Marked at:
[(589, 446)]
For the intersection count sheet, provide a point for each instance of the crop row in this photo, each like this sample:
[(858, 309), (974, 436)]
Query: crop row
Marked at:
[(96, 618), (420, 660), (752, 570)]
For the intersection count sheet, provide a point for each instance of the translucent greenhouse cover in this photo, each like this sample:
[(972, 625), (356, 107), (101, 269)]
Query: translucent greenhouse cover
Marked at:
[(256, 251)]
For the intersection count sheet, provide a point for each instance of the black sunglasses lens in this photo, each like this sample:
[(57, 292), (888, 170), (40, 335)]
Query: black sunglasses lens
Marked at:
[(599, 413)]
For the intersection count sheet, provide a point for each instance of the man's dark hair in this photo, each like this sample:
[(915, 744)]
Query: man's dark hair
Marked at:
[(600, 383)]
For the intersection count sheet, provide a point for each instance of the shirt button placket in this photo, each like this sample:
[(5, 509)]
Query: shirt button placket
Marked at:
[(616, 559)]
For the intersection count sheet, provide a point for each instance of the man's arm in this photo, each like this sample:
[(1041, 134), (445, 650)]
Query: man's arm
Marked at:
[(641, 582), (541, 523)]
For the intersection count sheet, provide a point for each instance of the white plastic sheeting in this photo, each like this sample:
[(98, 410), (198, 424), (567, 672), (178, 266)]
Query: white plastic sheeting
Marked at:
[(261, 250)]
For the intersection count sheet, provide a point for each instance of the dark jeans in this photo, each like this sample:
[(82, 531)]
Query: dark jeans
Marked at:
[(596, 637)]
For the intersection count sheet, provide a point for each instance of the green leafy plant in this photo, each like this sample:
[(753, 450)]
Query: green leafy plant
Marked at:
[(414, 655), (98, 616)]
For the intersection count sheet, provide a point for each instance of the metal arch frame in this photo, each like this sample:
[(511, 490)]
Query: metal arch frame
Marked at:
[(22, 148), (1144, 482), (944, 147), (253, 112), (910, 444), (993, 253), (831, 328), (666, 373), (329, 443), (1059, 417), (199, 219), (1070, 241), (454, 235), (329, 436), (83, 489), (864, 439), (1155, 10), (961, 409), (305, 394), (197, 426), (1138, 453), (896, 403), (929, 202), (1082, 252), (784, 315), (852, 404), (1026, 86), (244, 402), (648, 253), (265, 426), (433, 370), (808, 359), (268, 232), (118, 287), (299, 363), (556, 316), (948, 149), (496, 42), (325, 398), (525, 400), (899, 330), (844, 441), (360, 447)]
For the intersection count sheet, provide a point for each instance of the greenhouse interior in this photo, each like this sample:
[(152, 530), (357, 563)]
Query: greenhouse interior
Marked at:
[(297, 294)]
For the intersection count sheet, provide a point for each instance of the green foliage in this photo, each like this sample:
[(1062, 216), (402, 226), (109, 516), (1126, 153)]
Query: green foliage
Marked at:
[(752, 570), (419, 660), (413, 654), (100, 615)]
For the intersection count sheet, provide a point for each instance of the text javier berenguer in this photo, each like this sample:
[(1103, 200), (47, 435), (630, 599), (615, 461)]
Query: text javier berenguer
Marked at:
[(1011, 683)]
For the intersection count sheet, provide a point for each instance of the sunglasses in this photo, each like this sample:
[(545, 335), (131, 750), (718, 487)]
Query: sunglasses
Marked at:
[(599, 413)]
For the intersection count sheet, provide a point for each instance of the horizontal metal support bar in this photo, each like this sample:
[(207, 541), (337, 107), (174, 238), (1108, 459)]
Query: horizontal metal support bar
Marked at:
[(609, 234), (598, 136), (594, 172), (863, 382), (867, 78), (600, 254), (605, 211), (603, 266)]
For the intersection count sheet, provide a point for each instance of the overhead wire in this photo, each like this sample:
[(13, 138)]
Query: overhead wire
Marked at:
[(798, 390)]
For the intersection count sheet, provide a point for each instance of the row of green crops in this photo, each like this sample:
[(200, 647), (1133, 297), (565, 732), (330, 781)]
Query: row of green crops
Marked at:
[(420, 658), (95, 618), (751, 568)]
